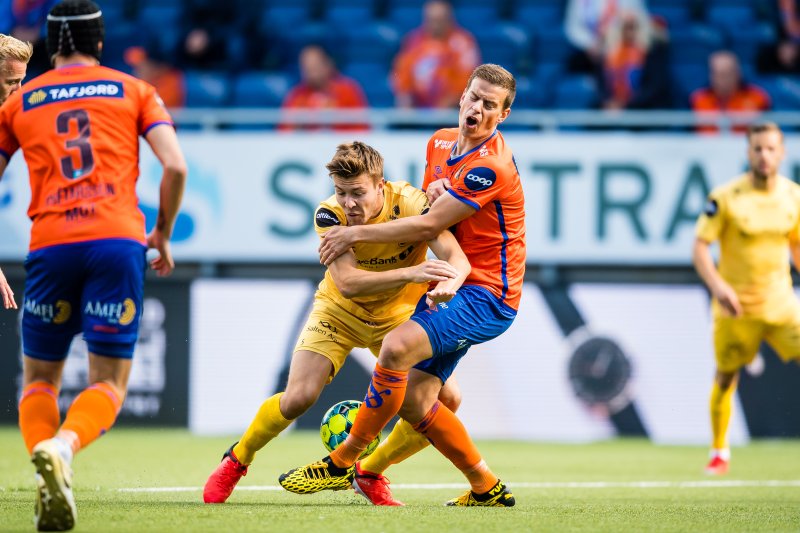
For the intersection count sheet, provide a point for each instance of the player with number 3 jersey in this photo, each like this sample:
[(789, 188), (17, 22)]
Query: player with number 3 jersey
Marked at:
[(78, 126)]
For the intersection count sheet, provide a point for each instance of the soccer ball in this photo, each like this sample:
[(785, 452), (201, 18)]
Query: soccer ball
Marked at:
[(336, 425)]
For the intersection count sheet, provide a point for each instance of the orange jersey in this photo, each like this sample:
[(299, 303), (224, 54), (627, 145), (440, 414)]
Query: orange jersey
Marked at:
[(340, 92), (434, 71), (747, 98), (493, 239), (78, 127)]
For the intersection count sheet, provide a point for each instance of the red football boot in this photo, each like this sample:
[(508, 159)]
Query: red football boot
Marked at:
[(224, 478), (374, 487)]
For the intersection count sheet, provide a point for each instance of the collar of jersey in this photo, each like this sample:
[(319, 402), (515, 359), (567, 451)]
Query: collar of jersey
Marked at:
[(73, 65), (452, 161)]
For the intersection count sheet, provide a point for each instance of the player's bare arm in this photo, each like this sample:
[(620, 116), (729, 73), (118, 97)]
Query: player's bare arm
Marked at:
[(164, 142), (353, 282), (446, 247), (707, 270), (446, 212)]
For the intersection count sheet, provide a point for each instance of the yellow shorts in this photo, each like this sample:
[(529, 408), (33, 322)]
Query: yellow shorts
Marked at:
[(333, 332), (736, 340)]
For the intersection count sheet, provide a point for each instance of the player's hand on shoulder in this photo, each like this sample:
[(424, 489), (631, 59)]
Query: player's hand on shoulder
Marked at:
[(727, 298), (6, 293), (436, 189), (163, 264), (433, 270), (335, 242)]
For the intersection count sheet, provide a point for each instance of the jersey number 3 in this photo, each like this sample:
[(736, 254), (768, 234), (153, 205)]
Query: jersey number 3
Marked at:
[(81, 142)]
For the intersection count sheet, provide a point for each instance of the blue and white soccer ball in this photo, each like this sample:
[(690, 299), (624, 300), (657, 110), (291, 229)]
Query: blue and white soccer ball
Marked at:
[(336, 425)]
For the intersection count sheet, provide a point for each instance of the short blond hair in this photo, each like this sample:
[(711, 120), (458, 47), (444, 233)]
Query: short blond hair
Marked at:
[(351, 160), (762, 127), (14, 49)]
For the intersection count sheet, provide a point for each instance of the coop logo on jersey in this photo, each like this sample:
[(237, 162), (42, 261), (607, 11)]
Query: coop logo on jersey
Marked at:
[(121, 313), (72, 91), (325, 218), (479, 178)]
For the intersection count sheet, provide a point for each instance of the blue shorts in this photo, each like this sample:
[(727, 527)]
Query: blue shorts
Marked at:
[(94, 287), (473, 316)]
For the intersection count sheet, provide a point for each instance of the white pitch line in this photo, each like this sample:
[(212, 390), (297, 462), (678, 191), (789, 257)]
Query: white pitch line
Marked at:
[(730, 483)]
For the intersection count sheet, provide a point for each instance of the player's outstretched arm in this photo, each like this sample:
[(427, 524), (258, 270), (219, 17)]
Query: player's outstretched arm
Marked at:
[(720, 289), (444, 213), (446, 248), (6, 293), (164, 142), (353, 282)]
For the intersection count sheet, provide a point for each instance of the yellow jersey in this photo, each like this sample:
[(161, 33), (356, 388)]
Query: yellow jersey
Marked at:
[(754, 228), (400, 200)]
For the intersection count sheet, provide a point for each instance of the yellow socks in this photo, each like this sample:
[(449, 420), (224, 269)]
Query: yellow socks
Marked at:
[(402, 443), (266, 425), (721, 406)]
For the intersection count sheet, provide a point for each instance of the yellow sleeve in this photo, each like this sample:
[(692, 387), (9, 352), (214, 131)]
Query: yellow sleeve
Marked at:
[(415, 202), (711, 221), (325, 218)]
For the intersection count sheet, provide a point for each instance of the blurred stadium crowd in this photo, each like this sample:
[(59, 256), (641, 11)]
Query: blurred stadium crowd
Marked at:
[(569, 54)]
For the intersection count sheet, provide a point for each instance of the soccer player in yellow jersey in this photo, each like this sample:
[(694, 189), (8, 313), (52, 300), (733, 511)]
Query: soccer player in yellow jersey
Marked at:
[(365, 293), (756, 218)]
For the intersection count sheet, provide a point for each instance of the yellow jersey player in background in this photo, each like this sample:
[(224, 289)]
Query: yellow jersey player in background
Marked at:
[(756, 218), (365, 294)]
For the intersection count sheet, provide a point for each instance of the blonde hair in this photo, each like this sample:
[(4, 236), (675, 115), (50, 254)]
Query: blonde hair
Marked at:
[(762, 127), (354, 159), (14, 49), (496, 75)]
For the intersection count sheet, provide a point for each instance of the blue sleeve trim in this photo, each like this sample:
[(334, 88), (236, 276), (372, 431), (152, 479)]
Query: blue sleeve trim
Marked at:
[(470, 203), (154, 124)]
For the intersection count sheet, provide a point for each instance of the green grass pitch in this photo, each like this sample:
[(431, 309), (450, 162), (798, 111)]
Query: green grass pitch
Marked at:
[(621, 485)]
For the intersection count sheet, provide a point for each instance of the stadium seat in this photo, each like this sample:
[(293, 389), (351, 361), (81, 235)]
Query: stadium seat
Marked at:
[(504, 44), (694, 42), (206, 89), (342, 16), (473, 17), (552, 46), (532, 93), (576, 92), (374, 79), (374, 42), (258, 89), (404, 17), (539, 16), (675, 15), (731, 19), (784, 91), (687, 77), (746, 44)]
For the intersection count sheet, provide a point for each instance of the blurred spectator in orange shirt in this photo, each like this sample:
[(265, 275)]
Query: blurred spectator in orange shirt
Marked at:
[(322, 87), (636, 65), (435, 60), (728, 92), (155, 70)]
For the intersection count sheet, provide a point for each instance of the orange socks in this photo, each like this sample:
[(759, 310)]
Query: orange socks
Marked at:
[(91, 414), (448, 435), (384, 398), (38, 413)]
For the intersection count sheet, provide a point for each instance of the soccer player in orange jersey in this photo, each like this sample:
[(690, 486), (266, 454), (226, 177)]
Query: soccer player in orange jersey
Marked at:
[(78, 126), (485, 203)]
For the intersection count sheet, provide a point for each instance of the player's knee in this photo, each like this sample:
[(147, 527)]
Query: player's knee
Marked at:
[(451, 397), (725, 379), (296, 401), (394, 353)]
